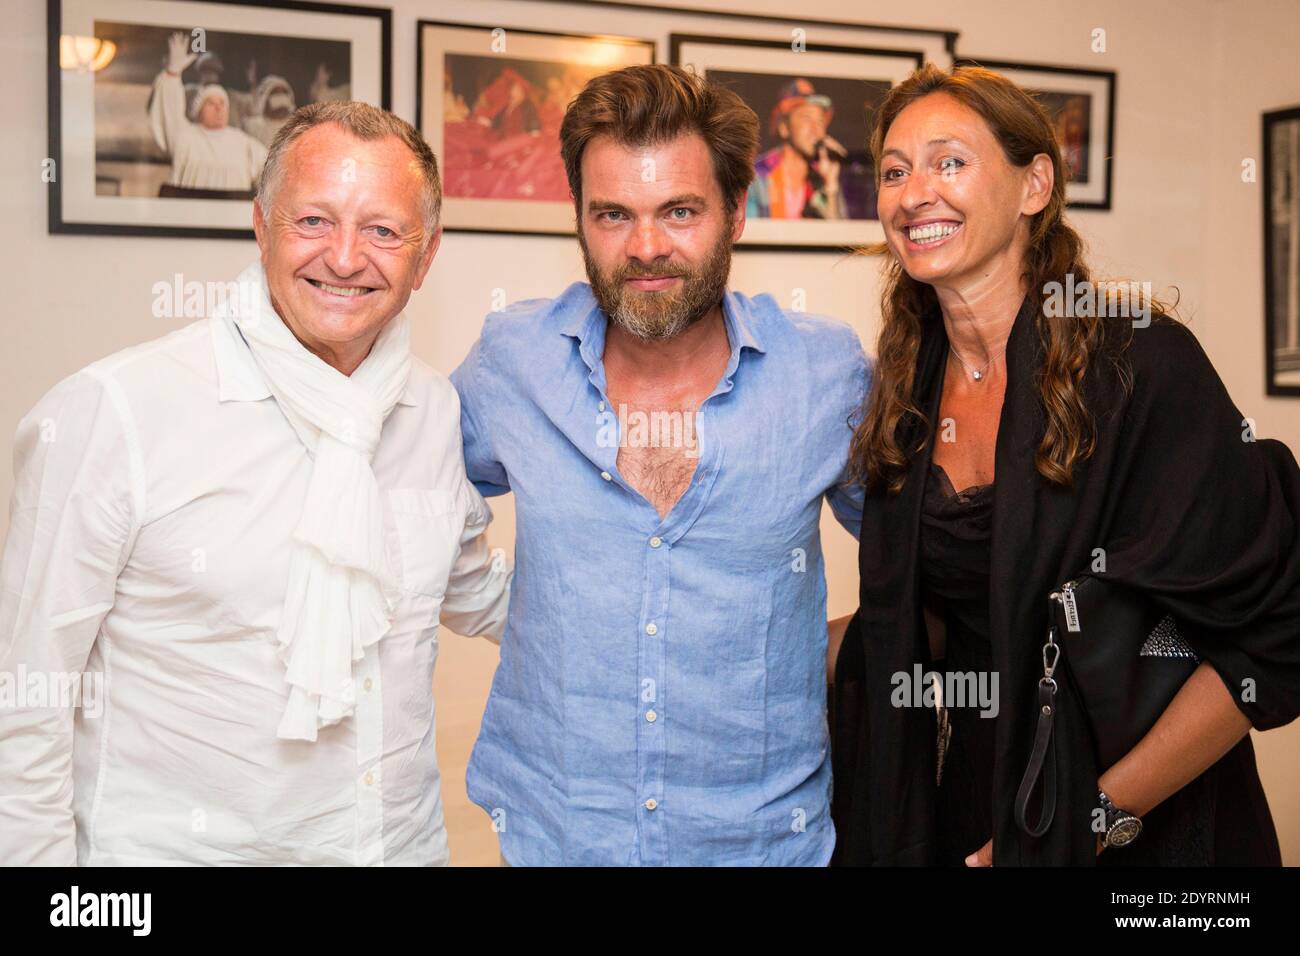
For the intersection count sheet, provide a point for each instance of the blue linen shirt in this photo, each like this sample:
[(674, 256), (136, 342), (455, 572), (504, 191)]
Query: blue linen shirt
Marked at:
[(661, 695)]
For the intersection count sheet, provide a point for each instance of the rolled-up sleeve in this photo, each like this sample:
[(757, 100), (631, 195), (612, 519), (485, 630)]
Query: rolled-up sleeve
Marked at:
[(1258, 659), (478, 589), (846, 496), (1206, 522), (78, 493), (482, 465)]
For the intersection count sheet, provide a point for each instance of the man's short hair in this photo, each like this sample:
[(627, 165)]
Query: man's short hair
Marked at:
[(648, 105), (365, 122)]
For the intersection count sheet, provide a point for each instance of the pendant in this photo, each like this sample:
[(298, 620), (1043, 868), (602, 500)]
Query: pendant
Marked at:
[(977, 375)]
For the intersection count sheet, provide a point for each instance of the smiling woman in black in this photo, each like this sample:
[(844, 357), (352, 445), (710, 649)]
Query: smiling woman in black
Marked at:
[(1007, 447)]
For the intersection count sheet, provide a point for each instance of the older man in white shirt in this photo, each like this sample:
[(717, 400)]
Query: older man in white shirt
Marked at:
[(249, 532)]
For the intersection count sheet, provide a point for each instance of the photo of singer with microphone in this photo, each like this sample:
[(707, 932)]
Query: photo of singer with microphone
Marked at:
[(809, 174)]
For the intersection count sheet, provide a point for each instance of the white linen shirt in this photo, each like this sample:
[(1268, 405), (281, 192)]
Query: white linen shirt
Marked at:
[(156, 493)]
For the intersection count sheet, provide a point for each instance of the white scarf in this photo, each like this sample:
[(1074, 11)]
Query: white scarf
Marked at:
[(341, 590)]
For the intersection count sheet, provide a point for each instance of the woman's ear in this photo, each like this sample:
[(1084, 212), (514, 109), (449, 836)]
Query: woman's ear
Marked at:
[(1040, 177)]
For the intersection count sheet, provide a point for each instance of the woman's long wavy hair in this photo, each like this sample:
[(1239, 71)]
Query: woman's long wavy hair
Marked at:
[(878, 457)]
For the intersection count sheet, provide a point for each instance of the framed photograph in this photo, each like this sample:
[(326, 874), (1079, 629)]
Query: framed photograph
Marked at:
[(161, 111), (614, 34), (1082, 104), (663, 19), (1282, 251), (814, 182), (490, 101)]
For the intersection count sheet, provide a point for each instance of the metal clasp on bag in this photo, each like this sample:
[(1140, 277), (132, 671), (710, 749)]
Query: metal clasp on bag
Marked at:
[(1051, 651)]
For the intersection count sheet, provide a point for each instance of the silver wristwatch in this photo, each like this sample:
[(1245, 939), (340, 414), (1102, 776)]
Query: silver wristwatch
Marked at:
[(1122, 827)]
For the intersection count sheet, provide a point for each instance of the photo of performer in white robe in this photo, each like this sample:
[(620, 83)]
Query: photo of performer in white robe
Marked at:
[(210, 159)]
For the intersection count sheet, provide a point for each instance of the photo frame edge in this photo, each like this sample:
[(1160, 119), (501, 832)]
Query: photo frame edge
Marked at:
[(1112, 81), (949, 37), (1268, 120), (676, 40), (420, 25)]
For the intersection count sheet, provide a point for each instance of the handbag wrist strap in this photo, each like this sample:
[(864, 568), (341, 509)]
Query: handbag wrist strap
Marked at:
[(1042, 759)]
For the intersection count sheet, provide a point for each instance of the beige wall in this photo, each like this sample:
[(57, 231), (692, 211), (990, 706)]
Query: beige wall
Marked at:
[(1193, 78), (1254, 66)]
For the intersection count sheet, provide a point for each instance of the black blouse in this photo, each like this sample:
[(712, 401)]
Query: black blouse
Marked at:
[(956, 533)]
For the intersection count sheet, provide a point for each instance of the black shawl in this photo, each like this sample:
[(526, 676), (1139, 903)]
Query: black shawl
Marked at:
[(1186, 509)]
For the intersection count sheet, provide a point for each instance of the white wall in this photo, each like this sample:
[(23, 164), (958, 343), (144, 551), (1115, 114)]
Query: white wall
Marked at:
[(1255, 68), (1193, 78)]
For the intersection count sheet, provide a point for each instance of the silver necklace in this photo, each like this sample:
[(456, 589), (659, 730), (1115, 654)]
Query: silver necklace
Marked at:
[(976, 374)]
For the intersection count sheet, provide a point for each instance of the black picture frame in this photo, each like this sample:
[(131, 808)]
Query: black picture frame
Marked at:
[(1108, 79), (757, 229), (949, 37), (656, 24), (499, 216), (1286, 184), (59, 225)]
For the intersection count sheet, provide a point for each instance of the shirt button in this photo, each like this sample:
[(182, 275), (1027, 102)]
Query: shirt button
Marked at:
[(655, 542), (651, 716), (368, 684), (607, 476), (651, 803), (369, 778), (652, 629), (601, 406)]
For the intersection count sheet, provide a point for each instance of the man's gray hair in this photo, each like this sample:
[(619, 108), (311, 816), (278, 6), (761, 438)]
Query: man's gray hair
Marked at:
[(365, 122)]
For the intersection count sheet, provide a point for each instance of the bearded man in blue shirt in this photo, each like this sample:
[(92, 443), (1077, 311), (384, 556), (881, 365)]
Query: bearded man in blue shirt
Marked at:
[(661, 695)]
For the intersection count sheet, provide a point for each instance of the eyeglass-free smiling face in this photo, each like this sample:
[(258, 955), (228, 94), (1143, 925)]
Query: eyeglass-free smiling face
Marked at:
[(955, 211), (344, 242)]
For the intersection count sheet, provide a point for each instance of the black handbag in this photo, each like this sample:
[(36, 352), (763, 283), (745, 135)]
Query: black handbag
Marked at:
[(1126, 660)]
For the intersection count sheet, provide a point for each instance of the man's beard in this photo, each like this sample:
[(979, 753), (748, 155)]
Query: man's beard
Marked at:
[(669, 312)]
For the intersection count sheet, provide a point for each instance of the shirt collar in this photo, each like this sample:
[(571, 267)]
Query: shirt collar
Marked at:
[(238, 377), (738, 312), (585, 322)]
